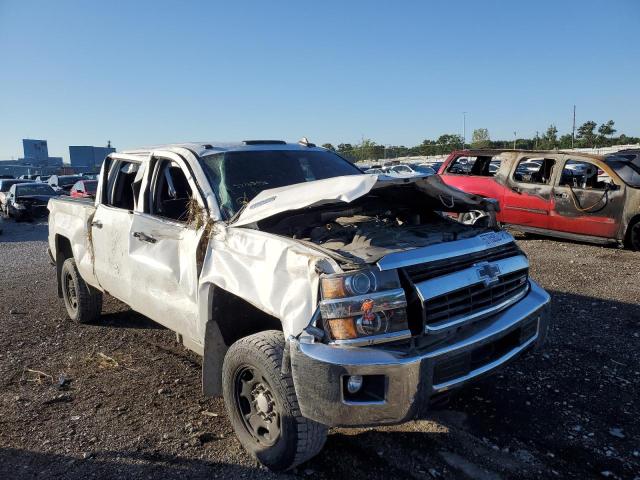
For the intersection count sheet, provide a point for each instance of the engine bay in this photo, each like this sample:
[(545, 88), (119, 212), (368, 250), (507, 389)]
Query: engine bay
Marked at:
[(363, 231)]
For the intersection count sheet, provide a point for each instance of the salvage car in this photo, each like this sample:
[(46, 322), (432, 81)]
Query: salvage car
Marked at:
[(5, 185), (63, 183), (317, 295), (26, 201), (576, 196), (84, 189)]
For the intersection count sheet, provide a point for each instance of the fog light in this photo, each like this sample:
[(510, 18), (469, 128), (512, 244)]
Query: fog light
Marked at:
[(354, 383)]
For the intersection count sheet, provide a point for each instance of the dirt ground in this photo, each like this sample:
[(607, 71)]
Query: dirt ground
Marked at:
[(120, 399)]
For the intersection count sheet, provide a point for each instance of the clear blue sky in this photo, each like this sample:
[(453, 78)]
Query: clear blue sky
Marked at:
[(145, 72)]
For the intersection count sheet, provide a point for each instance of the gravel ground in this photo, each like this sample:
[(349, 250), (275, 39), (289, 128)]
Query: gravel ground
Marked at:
[(131, 405)]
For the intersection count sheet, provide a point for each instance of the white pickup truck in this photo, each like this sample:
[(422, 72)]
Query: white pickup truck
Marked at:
[(317, 295)]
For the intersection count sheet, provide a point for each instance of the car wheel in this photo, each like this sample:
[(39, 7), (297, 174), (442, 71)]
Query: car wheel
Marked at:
[(472, 217), (262, 404), (83, 302), (633, 236)]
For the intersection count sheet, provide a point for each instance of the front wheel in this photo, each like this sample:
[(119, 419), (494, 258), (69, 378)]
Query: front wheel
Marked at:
[(83, 302), (262, 404)]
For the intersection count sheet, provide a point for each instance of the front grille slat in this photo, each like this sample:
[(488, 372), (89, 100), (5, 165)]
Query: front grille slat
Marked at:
[(474, 298), (425, 271)]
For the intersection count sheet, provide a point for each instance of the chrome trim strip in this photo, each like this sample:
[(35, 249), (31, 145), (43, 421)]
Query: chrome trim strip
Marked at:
[(441, 387), (438, 286), (477, 315), (351, 306), (444, 250), (373, 339)]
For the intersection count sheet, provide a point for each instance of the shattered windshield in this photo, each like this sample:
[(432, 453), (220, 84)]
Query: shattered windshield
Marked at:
[(627, 165), (238, 176)]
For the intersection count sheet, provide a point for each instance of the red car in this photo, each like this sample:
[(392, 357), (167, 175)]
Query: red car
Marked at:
[(569, 195), (84, 189)]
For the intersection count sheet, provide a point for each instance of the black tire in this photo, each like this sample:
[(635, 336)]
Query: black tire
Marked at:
[(633, 236), (258, 358), (83, 302)]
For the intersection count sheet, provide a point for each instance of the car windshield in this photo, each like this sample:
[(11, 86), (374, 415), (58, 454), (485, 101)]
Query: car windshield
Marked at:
[(238, 176), (67, 181), (33, 189), (91, 186), (627, 166)]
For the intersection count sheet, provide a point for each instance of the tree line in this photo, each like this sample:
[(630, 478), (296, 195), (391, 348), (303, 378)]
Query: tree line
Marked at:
[(588, 135)]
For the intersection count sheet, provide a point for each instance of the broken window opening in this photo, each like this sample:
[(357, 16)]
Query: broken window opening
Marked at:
[(120, 189), (584, 175), (534, 170), (170, 193)]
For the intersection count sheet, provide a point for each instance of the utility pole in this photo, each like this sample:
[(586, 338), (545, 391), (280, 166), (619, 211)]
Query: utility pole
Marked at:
[(573, 130), (536, 147), (464, 129), (514, 140)]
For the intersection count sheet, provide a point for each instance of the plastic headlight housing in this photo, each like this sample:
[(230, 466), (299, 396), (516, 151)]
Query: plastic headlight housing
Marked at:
[(364, 307)]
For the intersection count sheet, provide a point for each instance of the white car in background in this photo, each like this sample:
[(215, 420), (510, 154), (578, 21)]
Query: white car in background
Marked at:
[(409, 171)]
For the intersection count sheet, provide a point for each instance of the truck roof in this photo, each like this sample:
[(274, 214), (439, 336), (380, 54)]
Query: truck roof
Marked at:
[(209, 148)]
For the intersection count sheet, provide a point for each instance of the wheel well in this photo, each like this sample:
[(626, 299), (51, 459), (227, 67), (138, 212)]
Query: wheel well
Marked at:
[(63, 251), (231, 318), (237, 318)]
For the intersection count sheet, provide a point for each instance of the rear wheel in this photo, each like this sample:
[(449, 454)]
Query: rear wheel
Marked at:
[(83, 302), (262, 404), (633, 236)]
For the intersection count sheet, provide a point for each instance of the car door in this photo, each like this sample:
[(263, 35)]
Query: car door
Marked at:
[(528, 193), (111, 226), (164, 244), (473, 174), (586, 198)]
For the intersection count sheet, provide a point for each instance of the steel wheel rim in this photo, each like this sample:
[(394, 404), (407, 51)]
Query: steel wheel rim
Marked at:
[(70, 291), (256, 406)]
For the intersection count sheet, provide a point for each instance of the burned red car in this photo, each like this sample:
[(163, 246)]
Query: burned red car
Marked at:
[(569, 195)]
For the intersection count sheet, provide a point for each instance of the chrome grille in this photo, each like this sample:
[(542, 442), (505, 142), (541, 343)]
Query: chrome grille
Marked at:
[(425, 271), (474, 299)]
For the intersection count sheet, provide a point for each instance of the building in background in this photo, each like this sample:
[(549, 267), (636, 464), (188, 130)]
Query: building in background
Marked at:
[(35, 161), (88, 159)]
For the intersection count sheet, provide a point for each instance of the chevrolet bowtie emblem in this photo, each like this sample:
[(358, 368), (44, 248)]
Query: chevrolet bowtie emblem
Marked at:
[(488, 273)]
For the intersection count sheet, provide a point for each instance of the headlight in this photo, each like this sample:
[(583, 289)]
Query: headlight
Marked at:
[(364, 307), (19, 206)]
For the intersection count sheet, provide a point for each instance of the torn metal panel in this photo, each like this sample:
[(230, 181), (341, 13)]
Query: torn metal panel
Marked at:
[(277, 200), (275, 274)]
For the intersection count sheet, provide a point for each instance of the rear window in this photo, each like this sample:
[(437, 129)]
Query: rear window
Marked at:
[(34, 189), (238, 176)]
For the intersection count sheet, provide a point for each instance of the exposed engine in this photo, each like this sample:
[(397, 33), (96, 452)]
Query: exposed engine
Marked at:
[(384, 221)]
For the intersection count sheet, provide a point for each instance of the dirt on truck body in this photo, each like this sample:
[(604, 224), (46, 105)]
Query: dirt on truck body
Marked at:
[(317, 295)]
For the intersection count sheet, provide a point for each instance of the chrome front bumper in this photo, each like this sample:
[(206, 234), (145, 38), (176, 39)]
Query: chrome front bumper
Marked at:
[(319, 369)]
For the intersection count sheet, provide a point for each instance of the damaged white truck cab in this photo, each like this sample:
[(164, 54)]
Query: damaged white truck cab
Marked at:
[(317, 295)]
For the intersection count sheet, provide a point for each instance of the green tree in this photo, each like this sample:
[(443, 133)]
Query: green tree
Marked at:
[(586, 133), (480, 138), (550, 138), (328, 146), (606, 131), (565, 141)]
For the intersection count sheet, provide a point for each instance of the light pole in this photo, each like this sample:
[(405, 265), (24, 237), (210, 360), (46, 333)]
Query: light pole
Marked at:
[(464, 129), (514, 140)]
